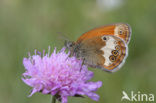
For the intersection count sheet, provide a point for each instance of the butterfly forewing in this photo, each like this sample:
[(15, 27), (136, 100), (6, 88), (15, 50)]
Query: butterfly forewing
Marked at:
[(121, 30)]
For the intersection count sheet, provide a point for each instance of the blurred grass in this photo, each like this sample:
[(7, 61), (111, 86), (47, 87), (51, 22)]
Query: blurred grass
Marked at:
[(26, 25)]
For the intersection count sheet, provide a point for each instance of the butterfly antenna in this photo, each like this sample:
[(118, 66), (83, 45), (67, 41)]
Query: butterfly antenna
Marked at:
[(62, 36)]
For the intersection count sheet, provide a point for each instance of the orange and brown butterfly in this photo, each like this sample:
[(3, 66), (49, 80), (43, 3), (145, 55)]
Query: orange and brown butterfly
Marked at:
[(103, 47)]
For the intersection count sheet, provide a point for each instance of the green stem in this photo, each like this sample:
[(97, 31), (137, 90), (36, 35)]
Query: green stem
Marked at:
[(53, 99)]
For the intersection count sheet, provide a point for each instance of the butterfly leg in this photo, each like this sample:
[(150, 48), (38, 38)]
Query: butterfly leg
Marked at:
[(82, 64)]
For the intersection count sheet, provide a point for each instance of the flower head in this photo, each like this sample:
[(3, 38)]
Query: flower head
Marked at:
[(59, 74)]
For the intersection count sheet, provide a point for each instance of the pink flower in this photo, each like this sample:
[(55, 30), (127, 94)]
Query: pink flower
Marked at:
[(58, 74)]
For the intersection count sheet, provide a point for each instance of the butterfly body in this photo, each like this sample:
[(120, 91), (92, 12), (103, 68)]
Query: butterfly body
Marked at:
[(104, 47)]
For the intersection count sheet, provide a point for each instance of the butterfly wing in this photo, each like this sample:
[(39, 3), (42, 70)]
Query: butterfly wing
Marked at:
[(106, 52), (120, 30)]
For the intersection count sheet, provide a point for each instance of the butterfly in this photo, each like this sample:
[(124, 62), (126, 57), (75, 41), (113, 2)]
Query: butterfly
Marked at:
[(104, 47)]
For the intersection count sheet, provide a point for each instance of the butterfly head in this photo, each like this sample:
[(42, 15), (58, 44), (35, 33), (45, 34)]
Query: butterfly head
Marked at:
[(69, 45)]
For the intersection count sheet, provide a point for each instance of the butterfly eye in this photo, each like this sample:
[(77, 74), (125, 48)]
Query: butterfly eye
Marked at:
[(69, 44), (115, 52), (112, 58)]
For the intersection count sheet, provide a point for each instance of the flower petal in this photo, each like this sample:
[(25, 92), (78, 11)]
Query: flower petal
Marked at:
[(59, 74)]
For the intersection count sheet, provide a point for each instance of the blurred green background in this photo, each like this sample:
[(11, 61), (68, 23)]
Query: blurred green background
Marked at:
[(26, 25)]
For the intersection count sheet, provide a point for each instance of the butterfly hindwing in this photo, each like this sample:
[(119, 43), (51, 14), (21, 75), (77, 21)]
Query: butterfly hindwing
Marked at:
[(106, 52), (115, 52)]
